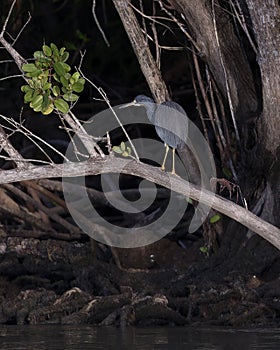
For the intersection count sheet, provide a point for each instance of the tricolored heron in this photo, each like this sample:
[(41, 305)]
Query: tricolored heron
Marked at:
[(164, 122)]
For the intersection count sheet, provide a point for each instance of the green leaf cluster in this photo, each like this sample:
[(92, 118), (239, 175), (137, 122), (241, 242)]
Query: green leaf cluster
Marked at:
[(50, 83), (122, 149)]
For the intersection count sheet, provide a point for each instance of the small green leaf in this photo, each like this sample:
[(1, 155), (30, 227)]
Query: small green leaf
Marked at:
[(64, 81), (203, 250), (76, 76), (36, 101), (70, 97), (37, 108), (65, 56), (117, 149), (54, 48), (125, 154), (38, 55), (55, 90), (59, 68), (66, 66), (78, 86), (48, 110), (61, 51), (26, 88), (61, 105), (29, 67), (214, 219), (47, 86), (28, 96), (46, 101), (45, 65), (128, 149), (37, 83), (35, 73), (122, 146), (56, 77), (189, 200), (47, 50), (55, 58)]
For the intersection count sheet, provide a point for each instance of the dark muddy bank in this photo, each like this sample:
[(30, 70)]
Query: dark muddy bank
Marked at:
[(51, 281)]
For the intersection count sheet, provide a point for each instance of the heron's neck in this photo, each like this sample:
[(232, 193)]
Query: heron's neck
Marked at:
[(150, 109)]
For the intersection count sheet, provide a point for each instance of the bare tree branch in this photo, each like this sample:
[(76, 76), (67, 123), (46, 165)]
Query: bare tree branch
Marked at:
[(12, 152), (142, 51), (153, 174)]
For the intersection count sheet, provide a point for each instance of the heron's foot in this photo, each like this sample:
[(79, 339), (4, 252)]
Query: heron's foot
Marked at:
[(163, 168)]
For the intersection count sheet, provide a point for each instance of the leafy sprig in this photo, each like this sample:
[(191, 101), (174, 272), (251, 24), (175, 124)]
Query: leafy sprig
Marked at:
[(122, 149), (50, 83)]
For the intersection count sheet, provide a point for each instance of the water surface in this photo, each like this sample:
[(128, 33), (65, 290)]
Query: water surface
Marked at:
[(85, 337)]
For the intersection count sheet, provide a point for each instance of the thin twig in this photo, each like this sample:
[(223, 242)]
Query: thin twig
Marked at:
[(222, 112), (12, 76), (98, 24), (154, 30), (22, 29), (225, 74), (202, 88), (8, 17), (19, 60), (9, 148), (80, 131), (153, 18), (179, 24), (241, 20), (168, 48), (31, 136), (198, 106), (105, 98), (215, 121)]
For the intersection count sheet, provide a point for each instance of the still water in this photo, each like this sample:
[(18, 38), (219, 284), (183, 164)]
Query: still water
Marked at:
[(85, 338)]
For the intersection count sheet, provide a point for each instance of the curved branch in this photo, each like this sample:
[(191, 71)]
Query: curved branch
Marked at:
[(111, 164)]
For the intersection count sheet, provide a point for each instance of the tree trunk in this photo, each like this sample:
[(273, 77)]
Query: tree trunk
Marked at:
[(258, 120), (265, 16), (213, 32)]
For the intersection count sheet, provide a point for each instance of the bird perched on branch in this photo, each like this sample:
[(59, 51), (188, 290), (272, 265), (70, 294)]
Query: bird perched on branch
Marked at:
[(170, 121)]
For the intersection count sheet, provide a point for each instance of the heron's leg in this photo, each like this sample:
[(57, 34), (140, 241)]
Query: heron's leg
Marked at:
[(165, 156), (173, 161)]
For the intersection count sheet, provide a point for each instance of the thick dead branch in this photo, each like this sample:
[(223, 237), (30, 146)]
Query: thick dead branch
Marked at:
[(142, 51), (153, 174)]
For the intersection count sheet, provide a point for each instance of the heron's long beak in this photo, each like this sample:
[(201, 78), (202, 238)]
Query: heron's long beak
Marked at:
[(133, 103)]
